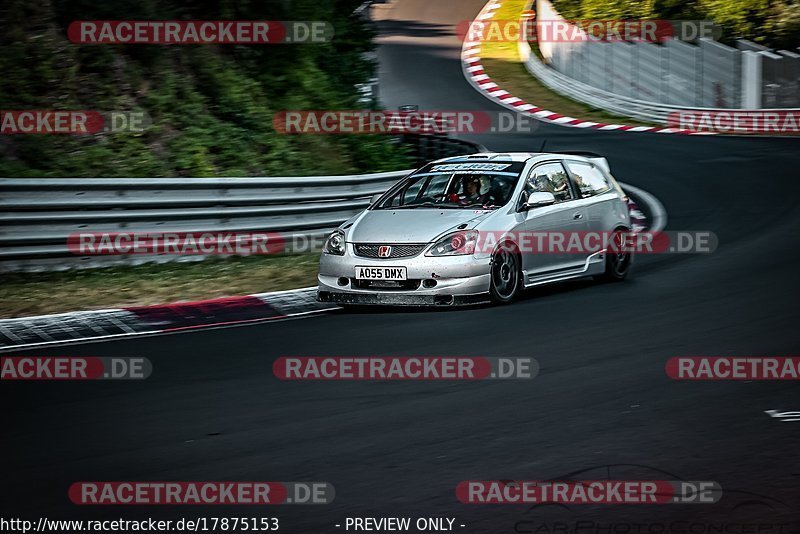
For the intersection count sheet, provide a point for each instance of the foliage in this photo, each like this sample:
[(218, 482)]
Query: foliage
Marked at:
[(774, 23), (211, 106)]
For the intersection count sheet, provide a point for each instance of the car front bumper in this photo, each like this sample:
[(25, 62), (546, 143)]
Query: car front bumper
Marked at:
[(459, 280)]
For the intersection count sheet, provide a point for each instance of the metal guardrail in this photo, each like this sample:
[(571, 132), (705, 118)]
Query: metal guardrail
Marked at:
[(37, 215)]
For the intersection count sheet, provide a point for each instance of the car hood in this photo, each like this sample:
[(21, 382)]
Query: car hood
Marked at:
[(420, 225)]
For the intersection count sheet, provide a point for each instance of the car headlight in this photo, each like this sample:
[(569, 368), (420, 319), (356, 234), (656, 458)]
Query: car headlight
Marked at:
[(455, 244), (334, 244)]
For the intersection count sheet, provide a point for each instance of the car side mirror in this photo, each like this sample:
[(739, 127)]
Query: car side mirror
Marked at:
[(375, 198), (537, 200)]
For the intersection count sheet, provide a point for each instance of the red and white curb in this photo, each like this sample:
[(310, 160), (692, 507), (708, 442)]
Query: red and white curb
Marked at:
[(476, 75), (141, 320)]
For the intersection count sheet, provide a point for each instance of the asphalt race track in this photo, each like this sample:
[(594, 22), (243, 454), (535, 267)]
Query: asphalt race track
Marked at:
[(212, 409)]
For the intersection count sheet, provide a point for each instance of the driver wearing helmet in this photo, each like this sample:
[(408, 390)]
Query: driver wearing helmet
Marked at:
[(472, 190)]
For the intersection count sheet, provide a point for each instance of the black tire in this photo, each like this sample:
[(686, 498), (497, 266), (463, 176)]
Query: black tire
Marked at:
[(505, 278), (618, 259)]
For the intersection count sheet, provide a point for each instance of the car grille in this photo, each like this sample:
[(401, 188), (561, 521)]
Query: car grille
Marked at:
[(398, 251)]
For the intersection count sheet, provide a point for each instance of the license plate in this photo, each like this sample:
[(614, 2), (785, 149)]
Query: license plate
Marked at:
[(380, 273)]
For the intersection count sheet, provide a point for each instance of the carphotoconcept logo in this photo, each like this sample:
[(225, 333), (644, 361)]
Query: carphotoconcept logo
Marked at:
[(736, 512)]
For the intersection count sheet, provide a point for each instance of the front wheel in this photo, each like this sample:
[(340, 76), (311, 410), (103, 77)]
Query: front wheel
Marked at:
[(506, 274)]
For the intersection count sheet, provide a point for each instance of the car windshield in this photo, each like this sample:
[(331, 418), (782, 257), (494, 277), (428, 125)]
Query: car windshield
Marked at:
[(456, 186)]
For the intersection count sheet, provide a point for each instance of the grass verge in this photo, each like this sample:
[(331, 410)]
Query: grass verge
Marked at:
[(26, 294), (502, 63)]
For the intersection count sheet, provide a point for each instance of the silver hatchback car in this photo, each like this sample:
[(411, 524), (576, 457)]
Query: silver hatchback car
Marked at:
[(481, 227)]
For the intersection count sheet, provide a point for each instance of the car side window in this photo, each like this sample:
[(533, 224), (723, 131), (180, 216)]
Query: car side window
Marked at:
[(550, 178), (588, 179)]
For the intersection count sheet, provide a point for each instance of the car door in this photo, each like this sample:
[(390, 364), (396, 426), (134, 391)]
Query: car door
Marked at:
[(555, 221)]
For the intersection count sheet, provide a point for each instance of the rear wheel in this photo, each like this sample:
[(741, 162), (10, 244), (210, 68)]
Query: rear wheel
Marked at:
[(618, 258), (505, 274)]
